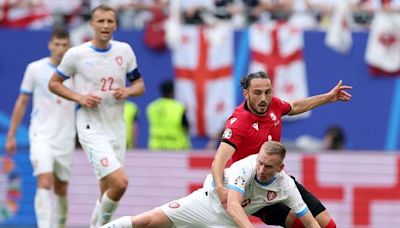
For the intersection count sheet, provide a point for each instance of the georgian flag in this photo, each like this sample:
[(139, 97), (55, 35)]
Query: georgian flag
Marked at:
[(338, 36), (203, 59), (383, 47), (277, 48)]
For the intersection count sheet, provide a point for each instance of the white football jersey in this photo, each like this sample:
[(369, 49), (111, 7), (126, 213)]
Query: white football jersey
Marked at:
[(99, 72), (52, 117), (241, 177)]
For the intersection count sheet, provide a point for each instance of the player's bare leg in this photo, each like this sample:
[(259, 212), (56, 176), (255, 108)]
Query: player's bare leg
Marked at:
[(43, 206), (155, 218), (113, 187), (60, 190)]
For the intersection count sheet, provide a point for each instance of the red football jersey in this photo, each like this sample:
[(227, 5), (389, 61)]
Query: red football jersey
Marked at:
[(247, 132)]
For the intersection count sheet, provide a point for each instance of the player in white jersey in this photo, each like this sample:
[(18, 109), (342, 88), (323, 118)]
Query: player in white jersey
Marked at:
[(253, 183), (100, 69), (51, 133)]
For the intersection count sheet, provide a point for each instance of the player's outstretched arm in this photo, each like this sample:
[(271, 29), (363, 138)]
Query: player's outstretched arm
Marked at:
[(337, 93), (224, 153), (235, 209)]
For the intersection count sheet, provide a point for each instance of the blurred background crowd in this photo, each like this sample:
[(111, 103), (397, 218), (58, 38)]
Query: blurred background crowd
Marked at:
[(311, 14)]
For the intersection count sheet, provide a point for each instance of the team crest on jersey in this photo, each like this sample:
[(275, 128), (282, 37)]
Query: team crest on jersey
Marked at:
[(227, 133), (273, 116), (233, 120), (104, 162), (174, 205), (271, 195), (119, 60), (255, 126)]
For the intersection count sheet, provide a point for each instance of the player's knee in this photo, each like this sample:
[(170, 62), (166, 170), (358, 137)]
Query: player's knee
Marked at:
[(121, 184), (44, 181), (60, 190)]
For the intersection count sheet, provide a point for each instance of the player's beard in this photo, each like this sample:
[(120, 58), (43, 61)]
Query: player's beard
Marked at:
[(260, 111)]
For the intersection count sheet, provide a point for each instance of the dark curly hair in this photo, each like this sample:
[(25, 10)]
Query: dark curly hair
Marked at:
[(245, 82)]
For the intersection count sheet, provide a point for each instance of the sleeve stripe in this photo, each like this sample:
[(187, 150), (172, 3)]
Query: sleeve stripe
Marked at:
[(241, 191), (229, 142), (25, 92), (62, 74), (133, 75), (303, 212)]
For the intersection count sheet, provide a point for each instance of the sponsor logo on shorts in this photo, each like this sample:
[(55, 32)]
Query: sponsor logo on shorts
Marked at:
[(104, 162), (174, 205), (271, 195)]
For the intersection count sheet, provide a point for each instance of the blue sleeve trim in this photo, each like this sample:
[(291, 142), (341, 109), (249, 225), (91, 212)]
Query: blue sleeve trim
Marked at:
[(133, 75), (303, 212), (62, 74), (25, 92), (241, 191), (78, 107)]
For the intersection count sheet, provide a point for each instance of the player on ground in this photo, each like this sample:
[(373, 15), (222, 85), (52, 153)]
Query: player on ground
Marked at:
[(100, 68), (252, 183), (258, 119)]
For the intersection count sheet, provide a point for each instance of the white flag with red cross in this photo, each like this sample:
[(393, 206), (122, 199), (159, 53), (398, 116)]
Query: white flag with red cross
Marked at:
[(277, 48), (383, 47), (338, 36), (203, 61)]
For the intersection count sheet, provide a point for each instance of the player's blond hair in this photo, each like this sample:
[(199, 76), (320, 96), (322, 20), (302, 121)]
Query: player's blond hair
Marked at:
[(274, 148)]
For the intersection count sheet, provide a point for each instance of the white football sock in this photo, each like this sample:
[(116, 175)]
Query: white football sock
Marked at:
[(108, 206), (123, 222), (95, 215), (61, 211), (43, 207)]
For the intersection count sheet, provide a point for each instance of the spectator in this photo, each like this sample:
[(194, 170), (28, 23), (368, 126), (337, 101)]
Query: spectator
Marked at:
[(334, 138), (169, 128), (131, 114)]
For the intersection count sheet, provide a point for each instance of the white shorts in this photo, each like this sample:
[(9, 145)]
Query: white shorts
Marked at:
[(104, 155), (48, 158), (197, 210)]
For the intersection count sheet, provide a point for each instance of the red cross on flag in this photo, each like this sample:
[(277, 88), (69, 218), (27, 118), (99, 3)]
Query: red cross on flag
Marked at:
[(277, 48), (383, 47), (203, 60)]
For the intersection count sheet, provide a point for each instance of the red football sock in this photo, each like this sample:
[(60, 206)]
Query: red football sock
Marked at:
[(297, 223), (331, 224)]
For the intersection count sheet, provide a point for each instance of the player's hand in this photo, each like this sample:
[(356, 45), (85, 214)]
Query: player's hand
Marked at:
[(89, 100), (11, 145), (223, 195), (121, 93), (339, 92)]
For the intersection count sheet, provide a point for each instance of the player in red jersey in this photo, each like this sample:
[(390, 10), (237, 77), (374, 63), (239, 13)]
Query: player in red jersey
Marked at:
[(257, 120)]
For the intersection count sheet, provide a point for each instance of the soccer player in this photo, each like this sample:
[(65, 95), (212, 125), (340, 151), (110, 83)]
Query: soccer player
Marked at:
[(100, 68), (51, 132), (253, 182), (258, 119)]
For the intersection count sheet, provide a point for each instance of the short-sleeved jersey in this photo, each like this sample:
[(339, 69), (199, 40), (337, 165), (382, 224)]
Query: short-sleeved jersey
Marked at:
[(100, 71), (246, 132), (241, 177), (52, 117)]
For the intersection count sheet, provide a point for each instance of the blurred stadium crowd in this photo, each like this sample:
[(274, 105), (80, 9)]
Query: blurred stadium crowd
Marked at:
[(310, 14)]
